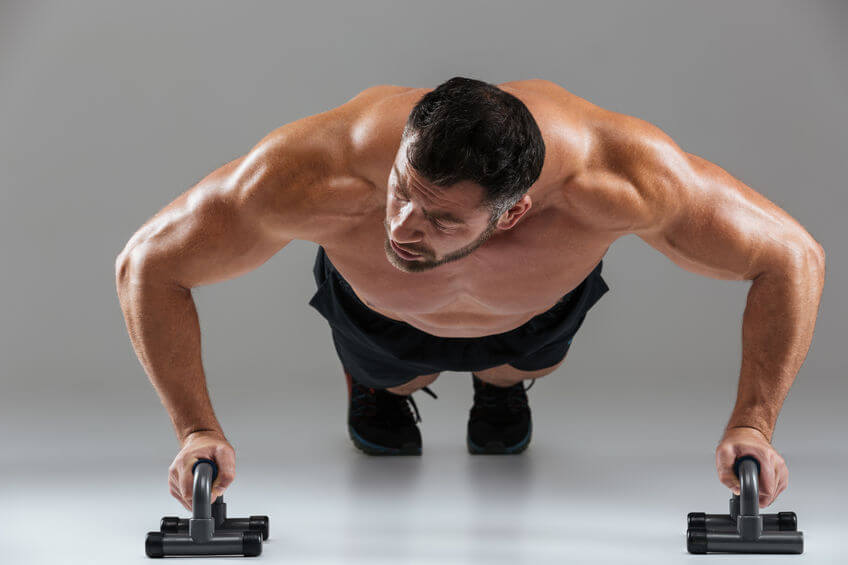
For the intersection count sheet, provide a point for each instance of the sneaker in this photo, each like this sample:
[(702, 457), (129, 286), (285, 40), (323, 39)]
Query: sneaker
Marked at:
[(382, 423), (499, 421)]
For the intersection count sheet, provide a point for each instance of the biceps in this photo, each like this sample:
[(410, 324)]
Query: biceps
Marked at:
[(724, 229)]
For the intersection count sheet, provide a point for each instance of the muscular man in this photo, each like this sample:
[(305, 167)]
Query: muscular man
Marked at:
[(462, 228)]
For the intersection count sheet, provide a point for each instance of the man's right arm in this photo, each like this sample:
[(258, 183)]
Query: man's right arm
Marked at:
[(230, 223)]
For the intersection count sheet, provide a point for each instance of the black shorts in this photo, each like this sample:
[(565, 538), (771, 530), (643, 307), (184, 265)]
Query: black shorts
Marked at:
[(381, 352)]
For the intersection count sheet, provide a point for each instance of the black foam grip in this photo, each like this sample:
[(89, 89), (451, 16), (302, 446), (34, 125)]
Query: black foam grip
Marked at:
[(153, 545), (696, 541), (697, 520), (260, 524), (743, 458), (251, 543), (169, 525), (214, 467), (787, 521)]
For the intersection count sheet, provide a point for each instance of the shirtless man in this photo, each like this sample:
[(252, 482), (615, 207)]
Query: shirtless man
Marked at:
[(462, 228)]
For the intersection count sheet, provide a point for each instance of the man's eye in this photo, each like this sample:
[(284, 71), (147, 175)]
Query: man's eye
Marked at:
[(440, 225)]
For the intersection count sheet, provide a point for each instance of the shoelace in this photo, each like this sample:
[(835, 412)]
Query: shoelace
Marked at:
[(411, 402), (365, 402)]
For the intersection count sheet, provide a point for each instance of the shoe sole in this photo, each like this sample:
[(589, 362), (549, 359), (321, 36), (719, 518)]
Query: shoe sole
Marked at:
[(497, 447), (371, 448)]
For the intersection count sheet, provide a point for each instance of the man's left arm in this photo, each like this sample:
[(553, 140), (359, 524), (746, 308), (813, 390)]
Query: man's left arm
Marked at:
[(710, 223)]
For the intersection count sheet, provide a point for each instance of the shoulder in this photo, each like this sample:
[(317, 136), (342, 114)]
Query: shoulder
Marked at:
[(585, 158), (309, 169), (334, 133), (629, 174), (376, 133), (350, 136)]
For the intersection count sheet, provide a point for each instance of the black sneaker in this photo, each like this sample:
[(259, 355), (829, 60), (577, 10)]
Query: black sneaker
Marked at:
[(499, 421), (380, 422)]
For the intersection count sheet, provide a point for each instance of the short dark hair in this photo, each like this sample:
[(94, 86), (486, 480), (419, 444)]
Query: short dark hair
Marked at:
[(467, 129)]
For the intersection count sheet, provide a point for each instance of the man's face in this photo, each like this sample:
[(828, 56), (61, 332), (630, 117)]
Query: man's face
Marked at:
[(437, 224)]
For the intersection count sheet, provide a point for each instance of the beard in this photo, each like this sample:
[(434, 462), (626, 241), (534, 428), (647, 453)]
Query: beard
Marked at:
[(423, 264)]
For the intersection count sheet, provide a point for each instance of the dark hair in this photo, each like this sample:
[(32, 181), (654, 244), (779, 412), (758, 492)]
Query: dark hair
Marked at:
[(467, 129)]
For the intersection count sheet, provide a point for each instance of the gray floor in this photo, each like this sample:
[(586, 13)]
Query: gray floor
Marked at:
[(581, 493)]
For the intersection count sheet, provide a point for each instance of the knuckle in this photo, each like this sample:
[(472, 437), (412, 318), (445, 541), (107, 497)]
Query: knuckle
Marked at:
[(724, 451)]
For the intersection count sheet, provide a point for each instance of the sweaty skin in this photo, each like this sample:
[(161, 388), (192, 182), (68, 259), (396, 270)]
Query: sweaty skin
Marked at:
[(335, 179)]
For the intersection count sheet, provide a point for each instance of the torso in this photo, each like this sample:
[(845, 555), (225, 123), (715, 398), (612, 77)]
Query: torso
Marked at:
[(515, 275)]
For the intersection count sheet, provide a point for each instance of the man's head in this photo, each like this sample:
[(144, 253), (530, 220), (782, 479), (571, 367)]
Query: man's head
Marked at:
[(468, 155)]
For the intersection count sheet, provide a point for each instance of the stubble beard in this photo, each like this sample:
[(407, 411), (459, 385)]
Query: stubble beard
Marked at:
[(417, 266)]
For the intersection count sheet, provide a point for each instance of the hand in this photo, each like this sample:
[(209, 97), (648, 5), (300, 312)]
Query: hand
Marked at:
[(774, 476), (201, 445)]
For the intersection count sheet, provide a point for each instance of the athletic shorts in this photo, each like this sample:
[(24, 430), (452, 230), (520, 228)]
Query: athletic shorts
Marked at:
[(381, 352)]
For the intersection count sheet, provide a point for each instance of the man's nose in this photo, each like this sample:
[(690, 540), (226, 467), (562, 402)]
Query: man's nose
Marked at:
[(405, 227)]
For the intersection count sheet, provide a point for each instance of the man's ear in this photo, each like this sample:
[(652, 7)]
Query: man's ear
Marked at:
[(511, 216)]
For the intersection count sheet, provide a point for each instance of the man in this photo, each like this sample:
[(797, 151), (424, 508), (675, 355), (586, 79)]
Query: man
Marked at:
[(463, 228)]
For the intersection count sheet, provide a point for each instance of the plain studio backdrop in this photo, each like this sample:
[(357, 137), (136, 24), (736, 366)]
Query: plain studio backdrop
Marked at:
[(108, 111)]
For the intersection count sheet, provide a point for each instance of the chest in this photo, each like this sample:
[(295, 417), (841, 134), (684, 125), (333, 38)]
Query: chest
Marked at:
[(522, 270)]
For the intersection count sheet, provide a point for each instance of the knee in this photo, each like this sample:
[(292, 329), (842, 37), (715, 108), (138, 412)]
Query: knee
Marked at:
[(417, 383)]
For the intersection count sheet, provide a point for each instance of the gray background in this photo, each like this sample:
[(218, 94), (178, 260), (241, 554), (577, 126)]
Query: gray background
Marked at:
[(109, 110)]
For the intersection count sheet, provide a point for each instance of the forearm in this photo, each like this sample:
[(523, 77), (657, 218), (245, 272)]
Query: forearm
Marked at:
[(162, 322), (777, 329)]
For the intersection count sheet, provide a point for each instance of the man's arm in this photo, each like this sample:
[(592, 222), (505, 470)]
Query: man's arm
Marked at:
[(710, 223), (231, 222)]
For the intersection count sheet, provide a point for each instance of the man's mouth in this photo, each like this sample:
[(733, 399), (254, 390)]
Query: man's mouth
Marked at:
[(402, 252)]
